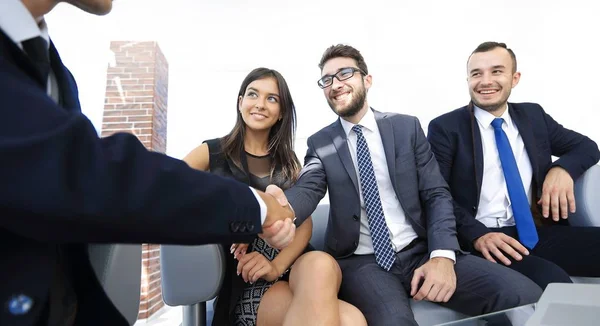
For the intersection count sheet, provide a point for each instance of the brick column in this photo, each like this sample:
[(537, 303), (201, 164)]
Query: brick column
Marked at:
[(136, 102)]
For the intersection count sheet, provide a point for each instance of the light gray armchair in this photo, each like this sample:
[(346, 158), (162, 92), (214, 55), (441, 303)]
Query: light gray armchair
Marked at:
[(119, 270)]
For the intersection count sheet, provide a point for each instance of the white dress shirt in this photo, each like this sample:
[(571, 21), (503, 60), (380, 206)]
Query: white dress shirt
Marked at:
[(18, 24), (494, 208), (400, 229)]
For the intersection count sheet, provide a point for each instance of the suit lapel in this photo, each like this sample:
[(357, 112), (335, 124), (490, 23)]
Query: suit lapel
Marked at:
[(387, 137), (341, 145), (526, 133), (477, 146)]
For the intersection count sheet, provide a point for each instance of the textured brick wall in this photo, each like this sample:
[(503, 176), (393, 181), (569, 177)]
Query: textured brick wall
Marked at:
[(136, 102)]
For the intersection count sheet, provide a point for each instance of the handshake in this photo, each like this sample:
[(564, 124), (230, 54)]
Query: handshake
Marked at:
[(279, 228)]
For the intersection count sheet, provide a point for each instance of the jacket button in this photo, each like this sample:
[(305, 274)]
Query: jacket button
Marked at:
[(356, 218), (20, 304), (243, 227), (356, 243), (234, 226), (474, 208), (250, 226)]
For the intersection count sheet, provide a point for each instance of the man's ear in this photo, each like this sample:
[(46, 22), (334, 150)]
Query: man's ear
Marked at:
[(368, 81), (515, 79)]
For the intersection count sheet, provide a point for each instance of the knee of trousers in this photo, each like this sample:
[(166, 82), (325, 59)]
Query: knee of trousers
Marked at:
[(517, 294)]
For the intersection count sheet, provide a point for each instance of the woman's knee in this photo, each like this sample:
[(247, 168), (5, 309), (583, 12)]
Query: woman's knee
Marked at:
[(317, 266), (318, 261)]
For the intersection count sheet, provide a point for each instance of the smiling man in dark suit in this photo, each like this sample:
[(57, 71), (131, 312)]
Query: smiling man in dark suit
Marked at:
[(62, 187), (391, 224), (497, 159)]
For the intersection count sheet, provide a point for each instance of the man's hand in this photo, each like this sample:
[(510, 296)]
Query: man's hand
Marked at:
[(496, 243), (440, 280), (254, 266), (278, 228), (557, 194)]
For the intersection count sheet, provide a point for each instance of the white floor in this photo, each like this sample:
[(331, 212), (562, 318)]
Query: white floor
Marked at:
[(166, 316)]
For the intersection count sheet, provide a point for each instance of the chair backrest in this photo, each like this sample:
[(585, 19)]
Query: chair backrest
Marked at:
[(191, 274), (119, 270), (320, 219), (587, 201)]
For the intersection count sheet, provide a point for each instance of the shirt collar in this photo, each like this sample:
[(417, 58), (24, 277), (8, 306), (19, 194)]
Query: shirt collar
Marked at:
[(485, 118), (368, 122), (18, 24)]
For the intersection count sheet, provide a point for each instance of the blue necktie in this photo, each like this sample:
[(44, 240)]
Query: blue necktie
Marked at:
[(516, 192), (382, 245)]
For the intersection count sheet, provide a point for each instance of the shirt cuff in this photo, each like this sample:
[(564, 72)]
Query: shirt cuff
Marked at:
[(443, 253), (263, 207)]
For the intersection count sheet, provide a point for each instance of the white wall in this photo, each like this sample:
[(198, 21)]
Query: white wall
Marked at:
[(415, 50)]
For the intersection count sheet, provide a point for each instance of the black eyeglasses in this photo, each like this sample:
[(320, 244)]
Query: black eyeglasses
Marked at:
[(342, 74)]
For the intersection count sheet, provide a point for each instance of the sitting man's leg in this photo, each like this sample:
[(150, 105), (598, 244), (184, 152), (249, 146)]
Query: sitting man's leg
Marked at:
[(378, 294), (574, 249), (483, 287), (540, 270)]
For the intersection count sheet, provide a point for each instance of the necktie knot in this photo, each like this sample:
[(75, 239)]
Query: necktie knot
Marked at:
[(497, 123), (357, 129), (37, 50)]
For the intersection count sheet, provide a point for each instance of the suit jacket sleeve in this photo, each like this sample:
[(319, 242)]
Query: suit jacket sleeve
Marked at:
[(311, 186), (576, 152), (469, 228), (61, 183), (435, 197)]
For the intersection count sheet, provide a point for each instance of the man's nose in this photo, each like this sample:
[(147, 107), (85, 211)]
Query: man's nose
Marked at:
[(336, 84), (486, 79)]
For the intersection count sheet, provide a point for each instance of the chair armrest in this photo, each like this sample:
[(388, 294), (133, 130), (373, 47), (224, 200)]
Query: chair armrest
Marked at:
[(118, 267), (587, 199), (191, 274)]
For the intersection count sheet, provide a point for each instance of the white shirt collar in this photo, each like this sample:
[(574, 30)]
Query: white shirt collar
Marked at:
[(18, 24), (368, 122), (485, 118)]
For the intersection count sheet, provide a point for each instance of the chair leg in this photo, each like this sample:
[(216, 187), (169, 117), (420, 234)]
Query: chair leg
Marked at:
[(194, 315)]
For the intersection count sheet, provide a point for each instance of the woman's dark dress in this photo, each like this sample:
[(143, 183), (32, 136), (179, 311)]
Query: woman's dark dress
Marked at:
[(238, 301)]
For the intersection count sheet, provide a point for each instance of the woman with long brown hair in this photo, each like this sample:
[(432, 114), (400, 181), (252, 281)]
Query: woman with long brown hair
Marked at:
[(265, 286)]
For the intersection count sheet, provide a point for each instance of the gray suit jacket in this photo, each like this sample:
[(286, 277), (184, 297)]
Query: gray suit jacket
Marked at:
[(419, 186)]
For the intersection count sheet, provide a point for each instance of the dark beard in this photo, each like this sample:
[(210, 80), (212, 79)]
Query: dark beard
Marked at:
[(358, 102)]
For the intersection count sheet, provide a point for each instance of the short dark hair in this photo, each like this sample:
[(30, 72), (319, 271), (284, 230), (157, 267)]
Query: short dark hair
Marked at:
[(344, 51), (489, 46)]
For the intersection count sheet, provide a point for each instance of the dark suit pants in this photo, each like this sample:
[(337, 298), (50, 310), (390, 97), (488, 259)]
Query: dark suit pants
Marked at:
[(383, 297), (562, 251)]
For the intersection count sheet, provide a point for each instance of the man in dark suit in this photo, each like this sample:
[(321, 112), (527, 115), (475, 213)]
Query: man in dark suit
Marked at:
[(391, 224), (497, 159), (61, 187)]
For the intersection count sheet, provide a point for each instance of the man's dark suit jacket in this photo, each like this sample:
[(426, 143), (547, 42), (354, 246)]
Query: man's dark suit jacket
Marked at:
[(62, 187), (414, 172), (456, 141)]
